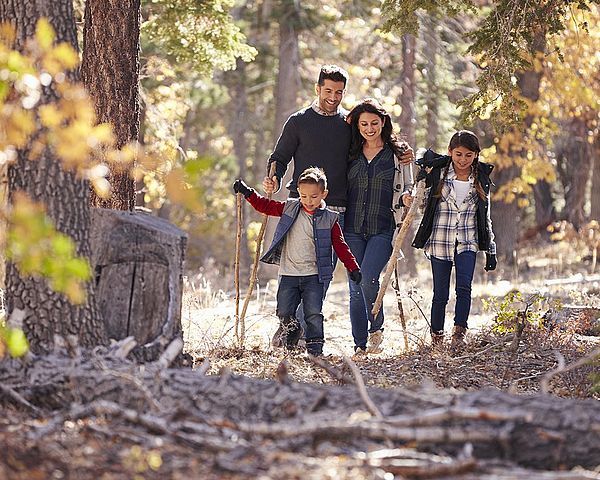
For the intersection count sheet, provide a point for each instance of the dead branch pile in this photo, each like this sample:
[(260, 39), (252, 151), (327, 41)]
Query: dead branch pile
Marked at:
[(80, 414)]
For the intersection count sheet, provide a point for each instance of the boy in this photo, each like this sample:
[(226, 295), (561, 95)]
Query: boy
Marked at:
[(304, 237)]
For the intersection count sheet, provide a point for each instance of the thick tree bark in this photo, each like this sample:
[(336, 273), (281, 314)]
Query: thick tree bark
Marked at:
[(286, 95), (238, 128), (65, 196), (595, 193), (545, 213), (110, 72), (408, 123), (575, 154), (430, 40)]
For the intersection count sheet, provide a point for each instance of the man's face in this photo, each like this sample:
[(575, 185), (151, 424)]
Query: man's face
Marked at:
[(330, 95)]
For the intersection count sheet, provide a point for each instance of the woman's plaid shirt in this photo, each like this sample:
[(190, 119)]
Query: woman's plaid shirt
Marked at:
[(455, 226)]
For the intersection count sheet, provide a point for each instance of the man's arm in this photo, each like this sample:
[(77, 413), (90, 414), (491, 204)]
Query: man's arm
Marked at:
[(342, 249), (282, 155), (264, 205)]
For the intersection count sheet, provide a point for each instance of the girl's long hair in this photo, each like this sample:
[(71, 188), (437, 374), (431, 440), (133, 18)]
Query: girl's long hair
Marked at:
[(370, 105), (468, 140)]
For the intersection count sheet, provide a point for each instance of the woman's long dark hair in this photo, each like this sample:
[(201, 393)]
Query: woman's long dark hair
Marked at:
[(468, 140), (370, 105)]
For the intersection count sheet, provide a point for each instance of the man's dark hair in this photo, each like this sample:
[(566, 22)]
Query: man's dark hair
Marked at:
[(314, 176), (332, 72)]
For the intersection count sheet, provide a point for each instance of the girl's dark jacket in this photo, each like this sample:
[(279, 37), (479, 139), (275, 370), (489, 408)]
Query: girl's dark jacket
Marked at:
[(435, 164)]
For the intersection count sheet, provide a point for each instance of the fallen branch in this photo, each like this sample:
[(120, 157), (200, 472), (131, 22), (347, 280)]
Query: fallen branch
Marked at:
[(545, 381), (362, 391)]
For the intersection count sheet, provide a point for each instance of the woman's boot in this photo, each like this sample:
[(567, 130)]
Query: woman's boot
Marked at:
[(458, 338)]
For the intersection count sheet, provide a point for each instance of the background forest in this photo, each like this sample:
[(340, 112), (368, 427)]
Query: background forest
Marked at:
[(219, 116)]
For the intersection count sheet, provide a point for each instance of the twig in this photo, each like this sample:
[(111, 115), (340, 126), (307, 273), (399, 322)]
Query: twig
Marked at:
[(254, 273), (202, 369), (331, 370), (360, 385), (397, 244), (19, 398), (545, 381), (170, 353), (400, 308)]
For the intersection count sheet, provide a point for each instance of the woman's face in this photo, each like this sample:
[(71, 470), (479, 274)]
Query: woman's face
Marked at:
[(370, 126), (462, 159)]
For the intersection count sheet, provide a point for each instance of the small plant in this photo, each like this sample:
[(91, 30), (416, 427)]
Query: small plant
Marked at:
[(515, 312)]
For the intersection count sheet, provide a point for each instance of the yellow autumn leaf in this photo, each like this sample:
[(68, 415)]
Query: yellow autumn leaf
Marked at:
[(66, 55), (44, 34), (19, 127), (50, 116)]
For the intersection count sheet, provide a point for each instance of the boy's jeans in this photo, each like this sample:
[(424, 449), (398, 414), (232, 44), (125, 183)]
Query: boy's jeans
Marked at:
[(310, 291), (372, 253), (464, 264)]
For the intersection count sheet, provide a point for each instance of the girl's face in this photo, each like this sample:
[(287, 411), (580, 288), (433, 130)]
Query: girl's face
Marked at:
[(370, 126), (462, 159)]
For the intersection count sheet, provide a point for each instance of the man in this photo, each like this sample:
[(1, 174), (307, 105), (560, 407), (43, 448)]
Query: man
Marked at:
[(318, 136)]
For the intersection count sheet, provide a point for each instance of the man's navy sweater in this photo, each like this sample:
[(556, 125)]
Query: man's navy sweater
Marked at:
[(315, 140)]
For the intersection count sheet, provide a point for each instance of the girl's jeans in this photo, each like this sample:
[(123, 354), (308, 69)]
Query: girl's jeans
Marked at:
[(464, 264), (372, 253), (290, 292)]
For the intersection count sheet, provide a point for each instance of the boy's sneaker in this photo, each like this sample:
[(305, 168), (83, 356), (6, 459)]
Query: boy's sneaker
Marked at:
[(359, 353), (294, 334), (278, 339), (374, 342), (315, 348)]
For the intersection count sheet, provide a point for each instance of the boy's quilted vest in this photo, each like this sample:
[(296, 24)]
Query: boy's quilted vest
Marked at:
[(323, 221)]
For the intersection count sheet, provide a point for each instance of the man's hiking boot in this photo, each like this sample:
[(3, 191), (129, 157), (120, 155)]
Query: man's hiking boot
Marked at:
[(374, 342), (458, 338), (437, 338)]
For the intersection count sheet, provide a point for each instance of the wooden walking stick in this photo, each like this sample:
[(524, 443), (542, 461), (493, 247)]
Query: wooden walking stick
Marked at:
[(400, 307), (238, 242), (254, 274), (397, 244)]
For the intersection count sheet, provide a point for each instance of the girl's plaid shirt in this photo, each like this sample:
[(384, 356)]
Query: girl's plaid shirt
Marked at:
[(455, 226)]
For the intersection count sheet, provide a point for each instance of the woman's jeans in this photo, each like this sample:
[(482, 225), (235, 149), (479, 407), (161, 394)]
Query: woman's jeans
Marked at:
[(290, 292), (372, 253), (464, 264)]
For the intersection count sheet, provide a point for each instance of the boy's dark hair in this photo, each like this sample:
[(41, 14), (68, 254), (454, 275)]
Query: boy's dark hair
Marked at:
[(314, 176), (332, 72)]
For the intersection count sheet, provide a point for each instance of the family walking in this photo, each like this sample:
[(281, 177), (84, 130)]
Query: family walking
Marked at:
[(352, 176)]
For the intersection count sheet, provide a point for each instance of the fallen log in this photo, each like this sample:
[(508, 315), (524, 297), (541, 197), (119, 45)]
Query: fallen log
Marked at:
[(537, 431)]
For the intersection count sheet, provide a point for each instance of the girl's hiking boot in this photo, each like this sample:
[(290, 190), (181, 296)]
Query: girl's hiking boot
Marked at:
[(458, 338)]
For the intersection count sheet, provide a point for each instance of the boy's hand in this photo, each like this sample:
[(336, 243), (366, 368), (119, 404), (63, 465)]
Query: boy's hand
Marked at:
[(490, 262), (407, 199), (356, 276), (240, 187)]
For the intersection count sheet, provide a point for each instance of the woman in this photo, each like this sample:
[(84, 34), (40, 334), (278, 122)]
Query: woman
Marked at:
[(369, 220)]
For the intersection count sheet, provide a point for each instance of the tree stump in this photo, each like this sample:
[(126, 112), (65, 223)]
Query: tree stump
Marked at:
[(138, 264)]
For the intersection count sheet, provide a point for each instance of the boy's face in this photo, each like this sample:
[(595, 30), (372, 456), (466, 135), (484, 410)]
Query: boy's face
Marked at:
[(311, 195)]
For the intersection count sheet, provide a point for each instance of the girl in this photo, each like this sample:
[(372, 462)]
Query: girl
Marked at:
[(456, 224), (377, 183)]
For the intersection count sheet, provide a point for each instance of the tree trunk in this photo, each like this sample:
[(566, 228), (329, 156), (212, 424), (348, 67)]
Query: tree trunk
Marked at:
[(573, 150), (286, 95), (408, 124), (65, 196), (545, 213), (595, 193), (110, 71), (238, 127), (431, 40)]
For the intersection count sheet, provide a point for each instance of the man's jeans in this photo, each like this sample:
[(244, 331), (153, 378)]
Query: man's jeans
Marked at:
[(372, 252), (300, 311), (464, 264), (309, 290)]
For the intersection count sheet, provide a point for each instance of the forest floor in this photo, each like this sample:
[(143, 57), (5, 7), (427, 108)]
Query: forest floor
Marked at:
[(136, 422)]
